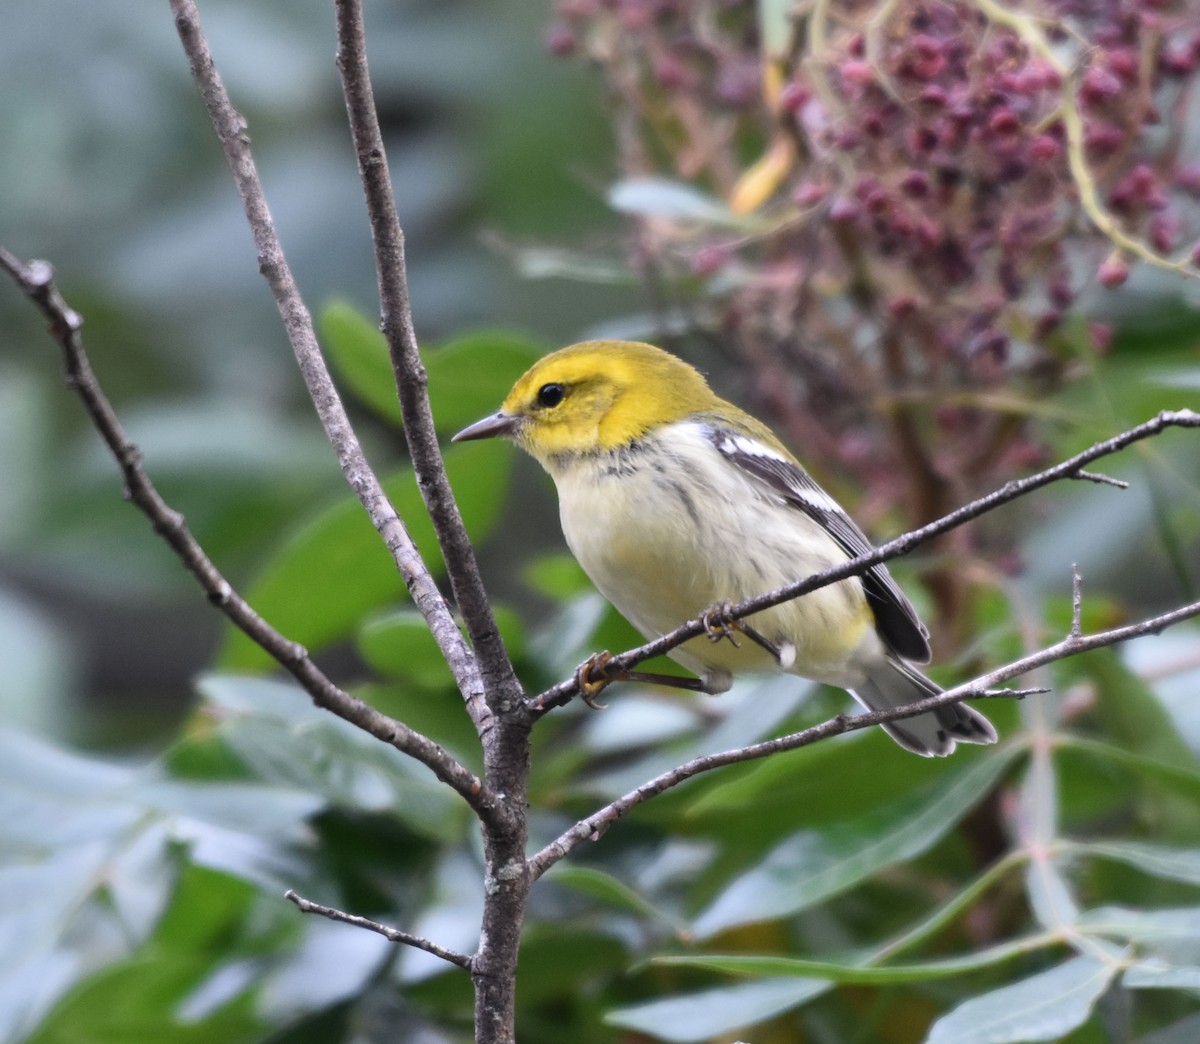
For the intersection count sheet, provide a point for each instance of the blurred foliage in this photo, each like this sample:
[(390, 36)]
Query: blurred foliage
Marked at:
[(1043, 889)]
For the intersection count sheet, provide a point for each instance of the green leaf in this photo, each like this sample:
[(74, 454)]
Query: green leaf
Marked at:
[(816, 864), (336, 569), (249, 808), (358, 353), (766, 791), (140, 997), (1140, 926), (600, 885), (710, 1014), (861, 972), (1174, 864), (1046, 1006), (277, 733), (468, 376), (556, 576), (399, 644), (1185, 1031), (1132, 715), (1179, 778), (1171, 934), (1157, 974)]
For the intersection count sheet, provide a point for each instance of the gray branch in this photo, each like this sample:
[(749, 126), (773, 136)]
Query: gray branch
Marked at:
[(598, 822), (411, 381), (1068, 469), (37, 281), (231, 131), (395, 935)]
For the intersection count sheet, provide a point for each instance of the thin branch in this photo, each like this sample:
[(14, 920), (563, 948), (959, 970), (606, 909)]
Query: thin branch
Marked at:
[(395, 935), (231, 132), (1099, 479), (598, 822), (495, 698), (1067, 469), (411, 380), (37, 281), (1076, 601)]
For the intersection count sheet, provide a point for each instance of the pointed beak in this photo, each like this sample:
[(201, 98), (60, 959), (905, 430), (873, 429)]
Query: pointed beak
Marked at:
[(498, 424)]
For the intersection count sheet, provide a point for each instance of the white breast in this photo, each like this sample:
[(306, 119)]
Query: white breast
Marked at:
[(669, 527)]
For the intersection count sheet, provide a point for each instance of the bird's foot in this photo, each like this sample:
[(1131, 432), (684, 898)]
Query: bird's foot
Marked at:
[(595, 675), (718, 624)]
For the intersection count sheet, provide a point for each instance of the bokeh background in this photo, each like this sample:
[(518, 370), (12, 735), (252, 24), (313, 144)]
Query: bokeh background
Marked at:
[(110, 171), (159, 788)]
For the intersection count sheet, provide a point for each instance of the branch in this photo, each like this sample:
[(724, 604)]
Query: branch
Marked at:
[(231, 131), (598, 822), (391, 934), (1067, 469), (411, 381), (37, 281)]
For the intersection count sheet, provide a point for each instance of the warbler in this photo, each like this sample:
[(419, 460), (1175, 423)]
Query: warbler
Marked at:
[(675, 501)]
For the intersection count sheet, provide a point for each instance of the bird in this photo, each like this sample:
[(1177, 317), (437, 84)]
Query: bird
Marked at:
[(677, 503)]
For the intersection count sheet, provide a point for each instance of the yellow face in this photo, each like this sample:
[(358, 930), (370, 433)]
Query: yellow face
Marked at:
[(593, 397)]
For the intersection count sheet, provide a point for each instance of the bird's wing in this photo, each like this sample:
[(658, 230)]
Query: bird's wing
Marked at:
[(895, 618)]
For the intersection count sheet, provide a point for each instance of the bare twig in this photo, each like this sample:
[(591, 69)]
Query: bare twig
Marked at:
[(1067, 469), (391, 934), (37, 281), (598, 822), (1076, 601), (231, 131), (1099, 479), (494, 696), (411, 381)]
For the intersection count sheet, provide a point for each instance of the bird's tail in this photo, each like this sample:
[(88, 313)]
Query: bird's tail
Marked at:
[(894, 683)]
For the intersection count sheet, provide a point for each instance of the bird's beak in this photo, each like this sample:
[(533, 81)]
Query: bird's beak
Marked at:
[(498, 424)]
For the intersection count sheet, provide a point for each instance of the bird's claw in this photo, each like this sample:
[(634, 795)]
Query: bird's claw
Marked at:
[(719, 624), (593, 676)]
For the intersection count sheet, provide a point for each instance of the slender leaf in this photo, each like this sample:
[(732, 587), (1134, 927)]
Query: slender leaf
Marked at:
[(1181, 923), (1046, 1006), (710, 1014), (814, 865), (1180, 778), (1154, 973), (1168, 935), (608, 889), (861, 971), (1174, 864)]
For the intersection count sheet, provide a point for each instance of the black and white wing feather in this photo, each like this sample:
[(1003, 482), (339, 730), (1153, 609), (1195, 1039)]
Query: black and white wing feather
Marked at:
[(895, 619)]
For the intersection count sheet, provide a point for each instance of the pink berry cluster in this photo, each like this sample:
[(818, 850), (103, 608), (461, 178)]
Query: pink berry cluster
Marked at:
[(913, 177)]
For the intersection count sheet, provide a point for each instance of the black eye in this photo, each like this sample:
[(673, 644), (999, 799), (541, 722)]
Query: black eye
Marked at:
[(550, 395)]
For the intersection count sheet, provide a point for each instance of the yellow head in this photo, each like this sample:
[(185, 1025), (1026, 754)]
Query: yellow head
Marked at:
[(594, 397)]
